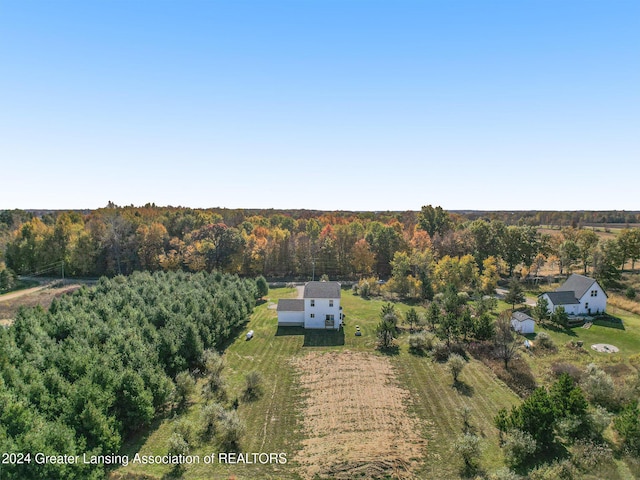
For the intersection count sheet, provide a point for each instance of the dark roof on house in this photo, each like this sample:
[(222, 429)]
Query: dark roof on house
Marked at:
[(290, 305), (322, 290), (521, 317), (578, 284), (562, 298)]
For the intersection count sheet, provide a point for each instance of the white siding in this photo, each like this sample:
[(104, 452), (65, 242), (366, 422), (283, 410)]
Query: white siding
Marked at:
[(571, 309), (291, 319), (320, 310), (596, 303), (523, 327)]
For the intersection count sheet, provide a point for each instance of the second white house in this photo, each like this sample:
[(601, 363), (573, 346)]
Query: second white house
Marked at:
[(579, 295)]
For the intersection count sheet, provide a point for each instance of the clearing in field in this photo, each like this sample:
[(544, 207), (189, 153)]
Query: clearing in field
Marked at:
[(355, 418)]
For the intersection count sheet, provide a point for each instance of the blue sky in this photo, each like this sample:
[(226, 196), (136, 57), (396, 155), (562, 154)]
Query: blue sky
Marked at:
[(351, 105)]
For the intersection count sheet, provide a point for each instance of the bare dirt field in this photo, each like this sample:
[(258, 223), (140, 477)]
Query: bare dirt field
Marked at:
[(9, 304), (355, 418)]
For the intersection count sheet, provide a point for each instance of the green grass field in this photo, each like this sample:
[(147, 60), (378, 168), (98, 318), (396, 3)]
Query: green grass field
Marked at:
[(274, 421)]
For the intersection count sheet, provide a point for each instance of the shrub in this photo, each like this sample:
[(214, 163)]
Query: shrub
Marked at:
[(440, 351), (210, 416), (599, 387), (544, 340), (186, 429), (598, 421), (627, 424), (421, 342), (570, 427), (231, 429), (630, 293), (185, 386), (214, 383), (504, 474), (253, 385), (518, 447), (559, 470), (588, 455), (178, 445), (468, 446), (567, 368), (455, 363), (364, 289)]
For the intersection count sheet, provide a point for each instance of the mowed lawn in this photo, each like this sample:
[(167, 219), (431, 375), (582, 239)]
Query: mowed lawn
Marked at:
[(274, 422)]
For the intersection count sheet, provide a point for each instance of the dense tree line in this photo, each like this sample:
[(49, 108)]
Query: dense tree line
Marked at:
[(102, 362), (421, 251)]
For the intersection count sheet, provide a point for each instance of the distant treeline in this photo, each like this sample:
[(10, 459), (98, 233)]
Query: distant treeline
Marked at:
[(301, 243), (101, 363)]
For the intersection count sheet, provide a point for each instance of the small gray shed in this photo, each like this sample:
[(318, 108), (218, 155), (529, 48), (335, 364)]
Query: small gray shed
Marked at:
[(522, 323)]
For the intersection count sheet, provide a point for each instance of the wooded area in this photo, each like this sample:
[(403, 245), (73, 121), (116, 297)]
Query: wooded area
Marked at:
[(420, 251), (101, 363)]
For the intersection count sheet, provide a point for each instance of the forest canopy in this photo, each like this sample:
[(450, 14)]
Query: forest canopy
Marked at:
[(101, 363)]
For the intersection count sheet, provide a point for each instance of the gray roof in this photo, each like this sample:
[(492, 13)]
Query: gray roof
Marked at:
[(322, 290), (578, 284), (521, 317), (562, 298), (290, 305)]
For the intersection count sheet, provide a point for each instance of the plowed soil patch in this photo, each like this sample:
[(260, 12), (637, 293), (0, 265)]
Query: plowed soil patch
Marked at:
[(355, 418)]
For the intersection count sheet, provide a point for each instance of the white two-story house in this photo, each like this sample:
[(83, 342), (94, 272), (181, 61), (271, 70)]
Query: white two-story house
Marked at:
[(579, 295), (319, 307)]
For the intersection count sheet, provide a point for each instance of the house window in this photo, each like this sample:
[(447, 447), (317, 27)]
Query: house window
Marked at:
[(329, 321), (595, 293), (313, 315), (313, 303), (331, 303)]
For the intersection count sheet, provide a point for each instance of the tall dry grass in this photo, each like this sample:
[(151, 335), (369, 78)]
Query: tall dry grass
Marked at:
[(623, 303)]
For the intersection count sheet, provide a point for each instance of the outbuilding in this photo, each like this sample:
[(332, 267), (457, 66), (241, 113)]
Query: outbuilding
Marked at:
[(522, 323)]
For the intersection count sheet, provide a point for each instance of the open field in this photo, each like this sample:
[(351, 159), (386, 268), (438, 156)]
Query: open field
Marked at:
[(10, 303), (355, 419), (419, 391)]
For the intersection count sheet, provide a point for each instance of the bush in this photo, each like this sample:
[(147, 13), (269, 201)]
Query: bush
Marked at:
[(231, 430), (567, 368), (186, 429), (627, 424), (214, 383), (544, 340), (588, 455), (559, 470), (440, 351), (599, 387), (209, 418), (518, 447), (598, 421), (421, 342), (178, 445), (185, 386), (455, 363), (504, 474), (468, 446), (253, 385), (365, 289), (630, 293)]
